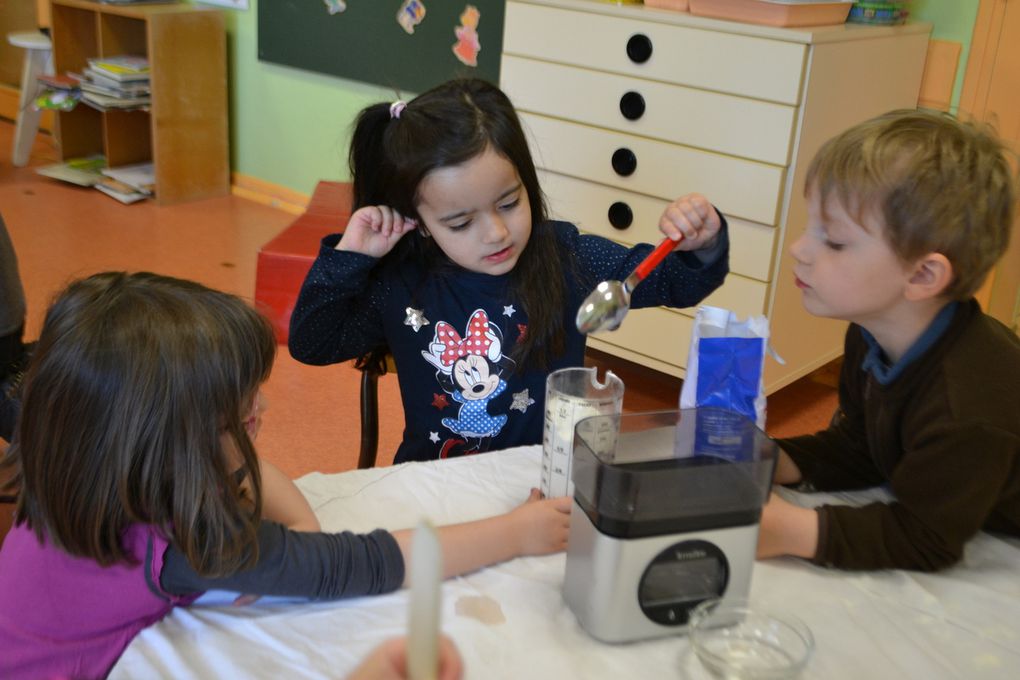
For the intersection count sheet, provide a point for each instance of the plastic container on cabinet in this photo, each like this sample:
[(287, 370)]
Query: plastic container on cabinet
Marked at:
[(884, 13), (775, 12)]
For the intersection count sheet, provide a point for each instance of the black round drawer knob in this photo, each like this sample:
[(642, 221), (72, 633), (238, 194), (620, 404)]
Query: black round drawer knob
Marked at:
[(639, 48), (632, 105), (620, 215), (624, 162)]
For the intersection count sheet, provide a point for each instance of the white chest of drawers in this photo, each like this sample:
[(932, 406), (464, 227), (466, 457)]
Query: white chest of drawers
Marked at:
[(629, 107)]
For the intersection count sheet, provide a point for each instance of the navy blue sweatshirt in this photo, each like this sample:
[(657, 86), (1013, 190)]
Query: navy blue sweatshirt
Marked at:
[(460, 389)]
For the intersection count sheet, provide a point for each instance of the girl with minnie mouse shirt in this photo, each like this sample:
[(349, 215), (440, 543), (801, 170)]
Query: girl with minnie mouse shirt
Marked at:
[(451, 264)]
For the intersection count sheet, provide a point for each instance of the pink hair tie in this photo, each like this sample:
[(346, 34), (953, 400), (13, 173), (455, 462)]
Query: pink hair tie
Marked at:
[(396, 108)]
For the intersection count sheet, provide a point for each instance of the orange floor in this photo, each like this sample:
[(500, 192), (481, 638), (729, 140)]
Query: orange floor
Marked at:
[(62, 232)]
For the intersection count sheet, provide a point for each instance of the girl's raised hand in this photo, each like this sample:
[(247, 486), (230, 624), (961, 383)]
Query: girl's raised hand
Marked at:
[(693, 220), (374, 229)]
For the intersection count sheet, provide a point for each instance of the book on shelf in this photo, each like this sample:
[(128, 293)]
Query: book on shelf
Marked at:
[(90, 75), (84, 172), (105, 102), (58, 82), (123, 67), (88, 86)]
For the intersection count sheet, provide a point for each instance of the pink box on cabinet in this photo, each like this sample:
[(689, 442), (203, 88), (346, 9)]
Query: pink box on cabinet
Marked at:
[(775, 12), (675, 5)]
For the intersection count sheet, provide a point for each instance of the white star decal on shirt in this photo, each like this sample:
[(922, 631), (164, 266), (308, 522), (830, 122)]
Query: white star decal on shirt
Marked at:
[(522, 401), (508, 310), (415, 318), (434, 437)]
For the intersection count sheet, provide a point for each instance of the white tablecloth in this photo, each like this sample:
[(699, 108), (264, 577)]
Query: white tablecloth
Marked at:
[(510, 621)]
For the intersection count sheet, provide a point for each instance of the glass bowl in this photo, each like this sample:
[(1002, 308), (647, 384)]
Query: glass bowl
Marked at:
[(735, 639)]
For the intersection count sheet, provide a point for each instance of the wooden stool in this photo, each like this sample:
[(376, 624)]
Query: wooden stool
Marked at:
[(38, 61)]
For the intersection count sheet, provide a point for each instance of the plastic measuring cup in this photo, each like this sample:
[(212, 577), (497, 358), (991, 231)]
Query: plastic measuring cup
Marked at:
[(571, 395)]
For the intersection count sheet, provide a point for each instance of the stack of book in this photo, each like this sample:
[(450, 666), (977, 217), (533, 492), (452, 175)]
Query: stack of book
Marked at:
[(119, 82), (128, 183)]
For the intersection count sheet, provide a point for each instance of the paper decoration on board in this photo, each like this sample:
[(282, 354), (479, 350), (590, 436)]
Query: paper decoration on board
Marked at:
[(411, 13), (468, 46), (335, 6)]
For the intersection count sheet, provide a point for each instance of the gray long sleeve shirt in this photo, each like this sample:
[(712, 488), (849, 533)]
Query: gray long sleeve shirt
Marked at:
[(315, 565)]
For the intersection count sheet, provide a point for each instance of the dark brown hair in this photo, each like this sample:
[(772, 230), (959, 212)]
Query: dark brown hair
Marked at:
[(136, 382), (446, 126), (938, 184)]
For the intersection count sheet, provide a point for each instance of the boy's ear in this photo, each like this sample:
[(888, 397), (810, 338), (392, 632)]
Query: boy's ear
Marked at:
[(931, 276)]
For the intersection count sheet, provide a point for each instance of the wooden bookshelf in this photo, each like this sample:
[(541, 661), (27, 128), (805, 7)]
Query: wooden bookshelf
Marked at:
[(184, 132)]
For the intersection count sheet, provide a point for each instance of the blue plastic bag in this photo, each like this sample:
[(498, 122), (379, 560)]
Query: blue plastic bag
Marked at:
[(725, 369)]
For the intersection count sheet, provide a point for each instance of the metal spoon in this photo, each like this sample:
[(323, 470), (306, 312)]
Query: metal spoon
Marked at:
[(605, 307)]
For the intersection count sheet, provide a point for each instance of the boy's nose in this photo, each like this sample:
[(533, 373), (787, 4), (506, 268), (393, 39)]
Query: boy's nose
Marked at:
[(798, 249)]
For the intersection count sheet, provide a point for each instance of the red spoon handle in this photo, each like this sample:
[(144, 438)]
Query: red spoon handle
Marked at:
[(653, 259)]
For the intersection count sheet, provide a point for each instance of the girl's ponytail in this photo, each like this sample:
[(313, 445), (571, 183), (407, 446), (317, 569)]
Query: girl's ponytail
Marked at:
[(368, 160)]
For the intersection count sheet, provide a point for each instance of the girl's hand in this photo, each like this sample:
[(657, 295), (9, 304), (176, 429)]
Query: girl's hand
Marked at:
[(544, 524), (693, 220), (374, 230), (536, 527)]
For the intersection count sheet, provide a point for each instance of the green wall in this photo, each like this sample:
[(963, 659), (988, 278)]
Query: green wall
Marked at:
[(291, 127), (287, 126)]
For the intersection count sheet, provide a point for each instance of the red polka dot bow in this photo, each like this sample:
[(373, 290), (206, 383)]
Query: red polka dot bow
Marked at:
[(477, 341)]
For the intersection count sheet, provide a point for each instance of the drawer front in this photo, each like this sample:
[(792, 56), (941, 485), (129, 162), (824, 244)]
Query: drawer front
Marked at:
[(744, 297), (738, 126), (657, 333), (589, 205), (744, 188), (712, 60)]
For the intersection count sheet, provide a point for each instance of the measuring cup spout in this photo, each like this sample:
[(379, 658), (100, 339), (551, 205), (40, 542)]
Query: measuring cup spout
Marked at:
[(610, 379)]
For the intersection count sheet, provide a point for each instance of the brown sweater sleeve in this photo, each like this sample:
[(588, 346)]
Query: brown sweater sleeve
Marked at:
[(945, 487)]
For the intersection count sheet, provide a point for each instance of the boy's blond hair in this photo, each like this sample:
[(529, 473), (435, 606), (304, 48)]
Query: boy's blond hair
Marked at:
[(938, 184)]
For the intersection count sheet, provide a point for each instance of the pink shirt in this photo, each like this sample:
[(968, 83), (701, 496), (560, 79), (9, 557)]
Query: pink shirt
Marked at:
[(64, 616)]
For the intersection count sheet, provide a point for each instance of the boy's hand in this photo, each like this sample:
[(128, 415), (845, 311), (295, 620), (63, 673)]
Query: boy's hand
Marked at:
[(544, 524), (693, 220), (787, 529), (374, 230)]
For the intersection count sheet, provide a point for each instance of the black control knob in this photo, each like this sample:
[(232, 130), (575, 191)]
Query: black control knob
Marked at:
[(620, 215), (639, 48), (632, 105), (624, 162)]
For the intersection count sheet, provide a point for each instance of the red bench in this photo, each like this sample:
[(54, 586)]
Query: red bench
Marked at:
[(282, 266), (284, 262)]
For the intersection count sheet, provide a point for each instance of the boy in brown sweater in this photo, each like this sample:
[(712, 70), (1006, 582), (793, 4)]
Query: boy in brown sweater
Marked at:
[(907, 214)]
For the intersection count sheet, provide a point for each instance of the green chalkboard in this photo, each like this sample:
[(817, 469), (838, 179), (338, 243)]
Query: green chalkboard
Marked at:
[(366, 42)]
